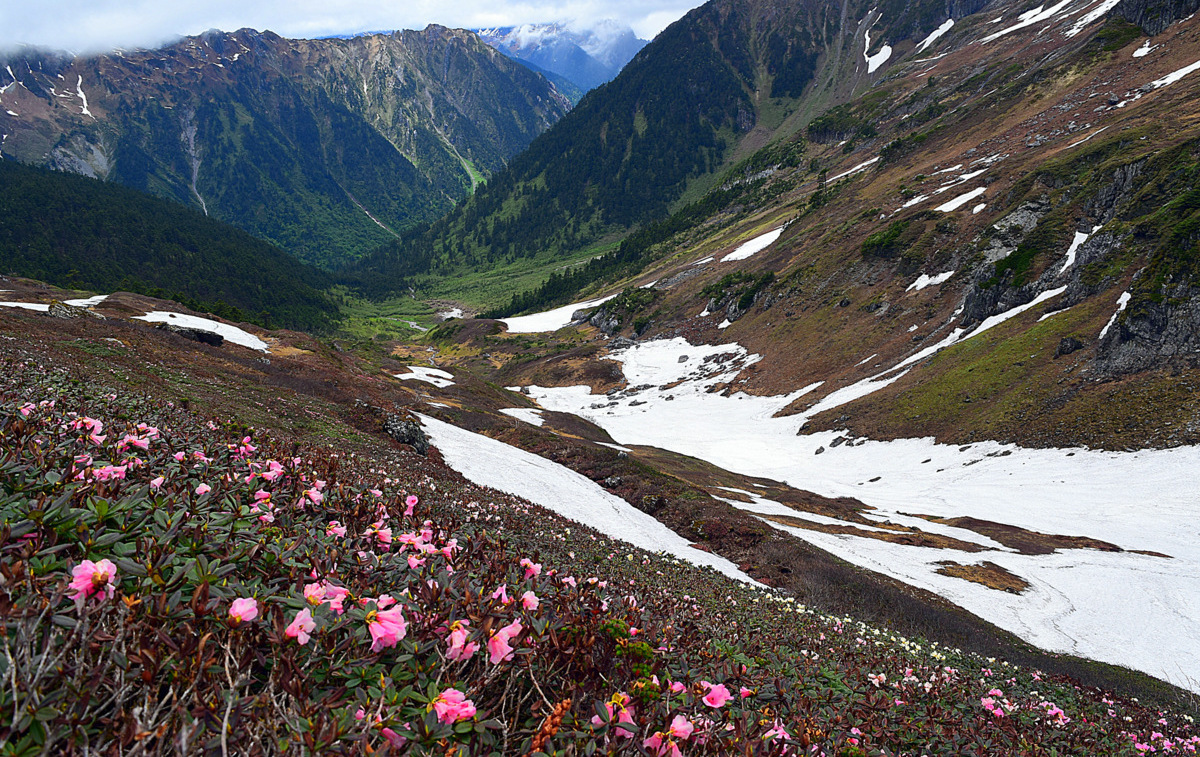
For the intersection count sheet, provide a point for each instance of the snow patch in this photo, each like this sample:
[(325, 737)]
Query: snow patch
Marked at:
[(230, 333), (1097, 131), (1079, 239), (754, 246), (87, 302), (1122, 301), (436, 376), (709, 259), (83, 97), (961, 200), (26, 306), (934, 35), (856, 169), (1091, 16), (530, 415), (1175, 76), (724, 324), (1029, 18), (879, 58), (927, 281), (978, 208), (551, 320), (1144, 50), (488, 462), (446, 315)]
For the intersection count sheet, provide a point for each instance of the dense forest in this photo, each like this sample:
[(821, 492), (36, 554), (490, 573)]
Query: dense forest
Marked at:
[(82, 233)]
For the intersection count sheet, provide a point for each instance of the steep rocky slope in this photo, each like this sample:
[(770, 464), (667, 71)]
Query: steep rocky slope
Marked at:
[(325, 147)]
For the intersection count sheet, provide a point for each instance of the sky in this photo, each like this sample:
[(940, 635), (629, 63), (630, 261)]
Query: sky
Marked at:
[(91, 26)]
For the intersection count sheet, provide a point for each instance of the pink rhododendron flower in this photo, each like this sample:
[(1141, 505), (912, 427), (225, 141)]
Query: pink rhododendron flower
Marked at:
[(156, 483), (409, 503), (678, 687), (27, 408), (179, 456), (314, 495), (301, 627), (396, 740), (243, 609), (529, 600), (452, 706), (335, 529), (618, 708), (499, 648), (110, 472), (664, 742), (203, 489), (460, 648), (746, 693), (383, 534), (90, 578), (501, 593), (415, 562), (531, 568), (387, 627), (717, 694)]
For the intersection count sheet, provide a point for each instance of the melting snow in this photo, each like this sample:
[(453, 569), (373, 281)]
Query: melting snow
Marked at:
[(435, 376), (530, 415), (724, 324), (551, 320), (978, 208), (709, 259), (1122, 301), (487, 462), (856, 169), (926, 281), (949, 170), (230, 333), (26, 306), (1144, 50), (83, 97), (1029, 18), (1175, 76), (87, 302), (1079, 600), (879, 58), (756, 245), (961, 200), (1093, 15), (1079, 239), (451, 313), (934, 35), (1097, 131)]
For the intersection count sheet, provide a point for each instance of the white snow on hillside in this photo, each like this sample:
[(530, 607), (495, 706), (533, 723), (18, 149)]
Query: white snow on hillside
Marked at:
[(530, 415), (934, 35), (961, 200), (83, 98), (1079, 239), (1095, 14), (1122, 301), (230, 333), (879, 58), (978, 208), (436, 376), (856, 169), (487, 462), (446, 315), (756, 245), (1175, 76), (1029, 18), (925, 280), (87, 302), (551, 320), (1144, 50), (1125, 608), (26, 306), (1097, 131)]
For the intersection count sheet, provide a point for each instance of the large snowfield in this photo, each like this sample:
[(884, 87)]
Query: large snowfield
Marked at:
[(1137, 610)]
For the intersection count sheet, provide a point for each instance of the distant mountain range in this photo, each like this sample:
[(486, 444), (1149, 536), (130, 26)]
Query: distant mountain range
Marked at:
[(586, 57), (327, 148)]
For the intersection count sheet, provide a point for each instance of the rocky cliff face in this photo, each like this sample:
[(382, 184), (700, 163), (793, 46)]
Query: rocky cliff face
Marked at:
[(1154, 16), (325, 147)]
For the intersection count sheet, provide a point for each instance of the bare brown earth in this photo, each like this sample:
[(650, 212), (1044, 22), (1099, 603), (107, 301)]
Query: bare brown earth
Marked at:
[(987, 573)]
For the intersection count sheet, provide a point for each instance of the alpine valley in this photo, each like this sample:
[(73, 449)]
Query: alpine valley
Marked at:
[(846, 352)]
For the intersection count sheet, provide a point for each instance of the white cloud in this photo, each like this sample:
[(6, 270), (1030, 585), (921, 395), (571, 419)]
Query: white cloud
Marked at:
[(100, 25)]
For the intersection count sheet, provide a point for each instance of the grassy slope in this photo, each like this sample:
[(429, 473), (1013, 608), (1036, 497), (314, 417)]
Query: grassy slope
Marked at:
[(807, 670)]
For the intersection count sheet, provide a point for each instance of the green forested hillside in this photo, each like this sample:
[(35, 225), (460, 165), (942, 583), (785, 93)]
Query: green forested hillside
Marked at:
[(626, 154), (77, 232)]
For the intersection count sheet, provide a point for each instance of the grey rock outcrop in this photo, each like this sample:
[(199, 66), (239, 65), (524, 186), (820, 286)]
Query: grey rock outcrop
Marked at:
[(196, 335), (1153, 16), (1151, 334), (407, 430)]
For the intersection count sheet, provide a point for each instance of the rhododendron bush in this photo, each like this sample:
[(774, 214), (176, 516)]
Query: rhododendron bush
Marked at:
[(171, 584)]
